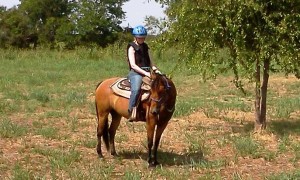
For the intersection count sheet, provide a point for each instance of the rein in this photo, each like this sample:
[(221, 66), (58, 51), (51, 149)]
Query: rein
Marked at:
[(156, 100), (167, 83)]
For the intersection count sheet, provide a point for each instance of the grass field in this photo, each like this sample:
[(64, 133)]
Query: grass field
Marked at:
[(48, 123)]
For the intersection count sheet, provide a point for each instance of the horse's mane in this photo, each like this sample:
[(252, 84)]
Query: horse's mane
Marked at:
[(160, 79)]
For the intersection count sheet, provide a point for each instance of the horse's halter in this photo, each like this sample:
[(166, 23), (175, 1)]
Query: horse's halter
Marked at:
[(166, 86), (160, 101)]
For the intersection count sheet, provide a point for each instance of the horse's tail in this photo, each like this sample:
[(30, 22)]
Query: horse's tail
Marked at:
[(105, 129), (98, 84), (96, 107), (106, 135)]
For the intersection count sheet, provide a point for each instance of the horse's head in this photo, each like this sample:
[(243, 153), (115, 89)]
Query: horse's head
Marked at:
[(159, 92)]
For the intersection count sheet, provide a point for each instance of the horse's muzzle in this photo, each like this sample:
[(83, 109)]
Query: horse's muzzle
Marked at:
[(154, 111)]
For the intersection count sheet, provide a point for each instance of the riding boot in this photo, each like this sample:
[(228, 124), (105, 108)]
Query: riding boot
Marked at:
[(132, 117)]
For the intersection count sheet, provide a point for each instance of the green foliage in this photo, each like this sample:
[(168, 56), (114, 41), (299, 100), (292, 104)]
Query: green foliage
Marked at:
[(61, 23), (246, 29), (259, 37), (155, 26), (14, 29)]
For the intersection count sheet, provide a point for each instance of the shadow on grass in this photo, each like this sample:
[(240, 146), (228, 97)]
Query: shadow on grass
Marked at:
[(285, 127), (278, 127), (173, 159), (243, 129)]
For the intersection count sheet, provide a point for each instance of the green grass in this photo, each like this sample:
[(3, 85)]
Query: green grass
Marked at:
[(286, 106), (285, 127), (48, 132), (285, 176), (59, 80), (61, 158), (20, 173), (94, 170), (246, 146), (9, 129)]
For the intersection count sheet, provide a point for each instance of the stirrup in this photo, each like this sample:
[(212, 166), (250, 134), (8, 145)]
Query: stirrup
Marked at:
[(132, 117)]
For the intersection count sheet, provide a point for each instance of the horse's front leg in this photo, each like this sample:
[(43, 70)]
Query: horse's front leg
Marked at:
[(151, 123), (159, 130)]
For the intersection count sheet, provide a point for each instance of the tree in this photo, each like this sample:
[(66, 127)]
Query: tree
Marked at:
[(72, 22), (98, 21), (155, 25), (46, 16), (14, 29), (260, 36)]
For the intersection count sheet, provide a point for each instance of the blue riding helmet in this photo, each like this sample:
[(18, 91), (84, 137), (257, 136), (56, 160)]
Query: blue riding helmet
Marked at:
[(139, 31)]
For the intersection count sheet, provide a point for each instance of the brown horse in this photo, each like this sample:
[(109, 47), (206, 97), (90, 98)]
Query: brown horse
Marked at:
[(156, 111)]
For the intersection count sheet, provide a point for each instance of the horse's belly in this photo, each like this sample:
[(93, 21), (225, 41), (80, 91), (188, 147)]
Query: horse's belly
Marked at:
[(120, 105)]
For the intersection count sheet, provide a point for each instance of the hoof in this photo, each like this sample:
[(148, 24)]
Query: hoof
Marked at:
[(115, 154), (153, 164), (100, 156)]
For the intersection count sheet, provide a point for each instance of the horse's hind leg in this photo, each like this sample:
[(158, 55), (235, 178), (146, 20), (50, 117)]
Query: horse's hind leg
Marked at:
[(116, 119), (101, 131)]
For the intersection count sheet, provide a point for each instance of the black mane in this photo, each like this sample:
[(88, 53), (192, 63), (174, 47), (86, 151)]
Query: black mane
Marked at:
[(159, 80)]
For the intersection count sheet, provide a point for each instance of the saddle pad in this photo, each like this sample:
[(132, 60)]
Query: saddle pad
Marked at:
[(117, 89)]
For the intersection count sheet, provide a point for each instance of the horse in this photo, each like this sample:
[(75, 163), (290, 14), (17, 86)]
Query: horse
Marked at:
[(156, 111)]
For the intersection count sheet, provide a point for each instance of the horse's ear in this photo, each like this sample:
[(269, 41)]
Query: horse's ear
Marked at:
[(152, 73)]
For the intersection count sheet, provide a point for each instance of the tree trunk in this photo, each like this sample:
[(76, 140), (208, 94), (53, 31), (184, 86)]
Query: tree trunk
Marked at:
[(261, 95), (264, 92), (257, 95)]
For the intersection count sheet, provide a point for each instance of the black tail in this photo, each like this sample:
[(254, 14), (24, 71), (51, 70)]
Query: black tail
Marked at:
[(106, 135), (98, 84)]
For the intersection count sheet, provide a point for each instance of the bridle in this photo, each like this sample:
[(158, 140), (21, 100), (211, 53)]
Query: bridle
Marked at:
[(156, 100), (160, 101)]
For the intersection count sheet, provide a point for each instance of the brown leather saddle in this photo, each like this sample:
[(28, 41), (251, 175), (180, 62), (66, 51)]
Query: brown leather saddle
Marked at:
[(122, 88)]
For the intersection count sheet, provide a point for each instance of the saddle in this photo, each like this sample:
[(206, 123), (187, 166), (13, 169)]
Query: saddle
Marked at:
[(122, 88)]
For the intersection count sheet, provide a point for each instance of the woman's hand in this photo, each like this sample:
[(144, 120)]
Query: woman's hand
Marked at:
[(147, 74), (155, 69)]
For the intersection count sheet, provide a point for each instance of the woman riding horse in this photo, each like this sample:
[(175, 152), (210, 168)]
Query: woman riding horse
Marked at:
[(139, 65)]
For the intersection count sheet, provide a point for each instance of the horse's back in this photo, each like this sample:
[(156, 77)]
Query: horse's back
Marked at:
[(103, 91), (106, 84), (104, 88), (106, 99)]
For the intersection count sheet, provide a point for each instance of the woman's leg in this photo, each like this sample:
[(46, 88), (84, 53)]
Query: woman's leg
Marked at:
[(135, 83)]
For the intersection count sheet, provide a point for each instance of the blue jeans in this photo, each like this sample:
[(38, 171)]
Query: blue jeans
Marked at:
[(135, 85)]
